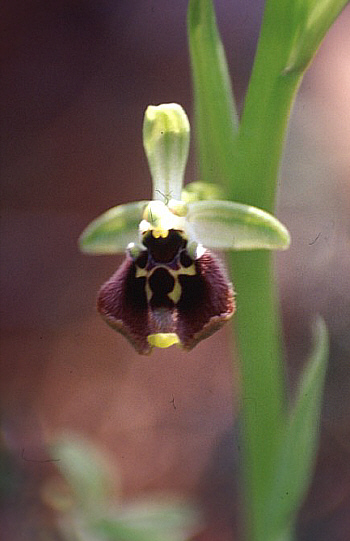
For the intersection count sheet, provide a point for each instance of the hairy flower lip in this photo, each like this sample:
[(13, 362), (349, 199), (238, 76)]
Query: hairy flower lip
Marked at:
[(190, 302)]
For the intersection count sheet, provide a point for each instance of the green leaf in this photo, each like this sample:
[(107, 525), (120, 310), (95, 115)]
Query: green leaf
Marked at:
[(111, 232), (215, 111), (316, 17), (166, 139), (150, 521), (233, 226), (296, 460), (85, 470), (116, 530)]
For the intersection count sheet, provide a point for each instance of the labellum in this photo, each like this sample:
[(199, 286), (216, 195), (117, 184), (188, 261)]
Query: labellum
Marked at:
[(168, 290)]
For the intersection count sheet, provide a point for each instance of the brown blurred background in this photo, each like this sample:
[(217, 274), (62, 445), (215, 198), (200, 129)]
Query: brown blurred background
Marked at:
[(76, 77)]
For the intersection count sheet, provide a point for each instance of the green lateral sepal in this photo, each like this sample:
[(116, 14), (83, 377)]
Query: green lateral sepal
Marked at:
[(111, 232), (226, 225)]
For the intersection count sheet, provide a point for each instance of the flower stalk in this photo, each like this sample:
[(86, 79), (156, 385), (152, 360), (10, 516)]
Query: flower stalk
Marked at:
[(290, 34)]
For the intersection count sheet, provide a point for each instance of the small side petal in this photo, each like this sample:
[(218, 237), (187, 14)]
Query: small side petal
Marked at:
[(111, 232), (226, 225)]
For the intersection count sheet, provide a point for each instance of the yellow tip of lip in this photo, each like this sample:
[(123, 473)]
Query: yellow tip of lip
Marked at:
[(163, 340)]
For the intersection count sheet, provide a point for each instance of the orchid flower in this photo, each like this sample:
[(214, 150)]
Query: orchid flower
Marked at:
[(171, 289)]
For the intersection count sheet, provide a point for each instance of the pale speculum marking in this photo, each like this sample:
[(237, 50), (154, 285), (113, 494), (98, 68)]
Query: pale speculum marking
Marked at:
[(175, 294)]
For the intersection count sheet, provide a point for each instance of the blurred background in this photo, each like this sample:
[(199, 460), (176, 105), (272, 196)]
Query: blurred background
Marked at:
[(76, 77)]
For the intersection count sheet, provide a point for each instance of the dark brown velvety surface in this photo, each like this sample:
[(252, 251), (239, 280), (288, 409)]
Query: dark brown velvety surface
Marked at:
[(206, 300)]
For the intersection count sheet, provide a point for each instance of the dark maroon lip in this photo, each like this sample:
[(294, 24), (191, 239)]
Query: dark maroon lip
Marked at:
[(191, 298)]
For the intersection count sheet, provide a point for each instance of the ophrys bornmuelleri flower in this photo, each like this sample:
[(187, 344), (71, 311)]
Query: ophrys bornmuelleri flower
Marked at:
[(171, 289)]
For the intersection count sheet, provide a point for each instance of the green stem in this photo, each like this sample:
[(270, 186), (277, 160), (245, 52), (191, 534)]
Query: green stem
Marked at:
[(247, 165), (257, 154), (262, 399), (259, 145)]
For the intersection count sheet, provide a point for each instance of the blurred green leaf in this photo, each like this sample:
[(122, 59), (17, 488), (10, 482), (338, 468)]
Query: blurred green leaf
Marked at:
[(150, 521), (314, 18), (295, 463), (111, 232), (232, 226), (215, 111), (85, 470)]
